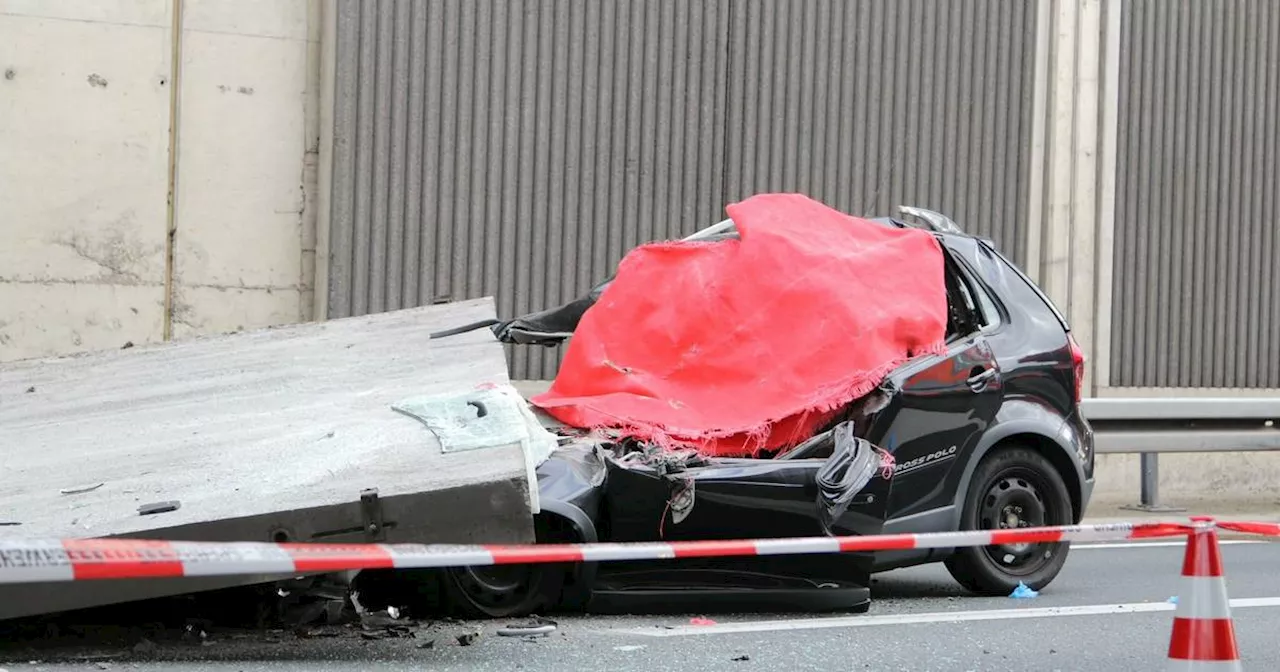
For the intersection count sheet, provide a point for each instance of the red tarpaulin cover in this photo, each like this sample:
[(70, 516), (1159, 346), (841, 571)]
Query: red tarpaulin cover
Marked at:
[(735, 346)]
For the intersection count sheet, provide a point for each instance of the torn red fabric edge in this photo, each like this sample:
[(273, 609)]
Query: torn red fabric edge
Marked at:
[(735, 346)]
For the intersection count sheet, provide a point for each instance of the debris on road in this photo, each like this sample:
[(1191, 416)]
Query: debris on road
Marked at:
[(317, 633), (534, 627), (738, 659), (1022, 592), (469, 638), (701, 620), (629, 647)]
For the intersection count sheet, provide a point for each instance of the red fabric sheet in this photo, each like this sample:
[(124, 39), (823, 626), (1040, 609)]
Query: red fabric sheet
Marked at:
[(735, 346)]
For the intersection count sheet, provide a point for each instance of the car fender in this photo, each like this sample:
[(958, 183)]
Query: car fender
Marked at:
[(1020, 417), (584, 573), (582, 523)]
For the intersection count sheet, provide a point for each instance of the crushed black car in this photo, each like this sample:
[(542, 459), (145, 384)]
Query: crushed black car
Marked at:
[(988, 435)]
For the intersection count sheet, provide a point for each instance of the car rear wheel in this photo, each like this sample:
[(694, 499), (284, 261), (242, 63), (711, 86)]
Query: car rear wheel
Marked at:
[(1014, 487)]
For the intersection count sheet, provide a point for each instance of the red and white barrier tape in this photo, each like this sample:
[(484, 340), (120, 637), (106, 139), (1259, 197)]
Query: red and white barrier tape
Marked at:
[(32, 561), (1261, 529)]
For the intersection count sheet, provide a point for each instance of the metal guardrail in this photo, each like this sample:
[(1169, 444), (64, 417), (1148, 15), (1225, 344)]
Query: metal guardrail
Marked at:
[(1150, 426)]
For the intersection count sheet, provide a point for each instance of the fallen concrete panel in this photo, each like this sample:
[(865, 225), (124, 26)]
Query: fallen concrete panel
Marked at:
[(271, 435)]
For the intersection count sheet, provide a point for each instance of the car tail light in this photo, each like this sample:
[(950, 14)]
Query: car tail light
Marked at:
[(1077, 360)]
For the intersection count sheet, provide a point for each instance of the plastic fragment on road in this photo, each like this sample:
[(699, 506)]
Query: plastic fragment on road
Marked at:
[(701, 620), (742, 345), (1172, 600), (1022, 592), (531, 628)]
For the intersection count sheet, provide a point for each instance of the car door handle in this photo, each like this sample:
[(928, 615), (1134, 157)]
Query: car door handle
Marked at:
[(980, 380)]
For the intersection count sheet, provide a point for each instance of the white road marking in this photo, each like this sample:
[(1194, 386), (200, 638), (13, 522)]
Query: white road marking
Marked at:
[(1159, 544), (923, 618)]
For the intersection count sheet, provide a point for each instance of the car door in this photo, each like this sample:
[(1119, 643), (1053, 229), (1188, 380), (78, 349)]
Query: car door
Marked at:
[(736, 499), (939, 408)]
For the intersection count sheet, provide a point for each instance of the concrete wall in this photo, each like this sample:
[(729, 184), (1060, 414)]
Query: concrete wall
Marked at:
[(88, 92)]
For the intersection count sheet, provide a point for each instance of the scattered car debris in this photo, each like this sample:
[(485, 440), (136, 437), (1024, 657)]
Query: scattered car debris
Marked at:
[(701, 620), (532, 628), (1022, 592), (80, 489), (629, 647), (738, 659), (429, 644), (317, 633), (321, 599), (468, 638), (386, 618), (197, 629)]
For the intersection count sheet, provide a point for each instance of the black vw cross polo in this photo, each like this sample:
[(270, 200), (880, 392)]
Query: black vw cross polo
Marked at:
[(988, 435)]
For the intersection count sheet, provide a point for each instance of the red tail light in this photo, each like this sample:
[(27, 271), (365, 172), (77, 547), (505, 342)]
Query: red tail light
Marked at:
[(1077, 360)]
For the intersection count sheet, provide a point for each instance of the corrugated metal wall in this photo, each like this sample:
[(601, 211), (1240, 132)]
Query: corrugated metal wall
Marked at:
[(518, 149), (1197, 284), (870, 105)]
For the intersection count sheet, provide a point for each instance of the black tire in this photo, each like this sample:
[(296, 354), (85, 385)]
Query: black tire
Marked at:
[(503, 592), (508, 591), (1012, 487)]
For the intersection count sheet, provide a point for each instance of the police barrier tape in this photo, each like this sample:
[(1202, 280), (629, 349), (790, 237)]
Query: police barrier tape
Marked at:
[(37, 561)]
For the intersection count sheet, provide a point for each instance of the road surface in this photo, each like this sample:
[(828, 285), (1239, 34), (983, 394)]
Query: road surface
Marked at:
[(1109, 610)]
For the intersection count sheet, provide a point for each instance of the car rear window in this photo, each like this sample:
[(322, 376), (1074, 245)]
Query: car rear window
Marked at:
[(1033, 286)]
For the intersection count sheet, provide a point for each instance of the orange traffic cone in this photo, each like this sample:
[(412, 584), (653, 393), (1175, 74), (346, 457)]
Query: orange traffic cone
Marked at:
[(1204, 637)]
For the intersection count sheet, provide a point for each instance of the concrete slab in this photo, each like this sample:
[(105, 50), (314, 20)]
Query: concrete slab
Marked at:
[(268, 435), (251, 424)]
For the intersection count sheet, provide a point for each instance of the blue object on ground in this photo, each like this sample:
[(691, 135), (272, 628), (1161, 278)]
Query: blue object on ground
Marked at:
[(1022, 592), (1173, 600)]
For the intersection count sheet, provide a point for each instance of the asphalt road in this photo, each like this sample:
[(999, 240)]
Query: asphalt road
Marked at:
[(1108, 610)]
